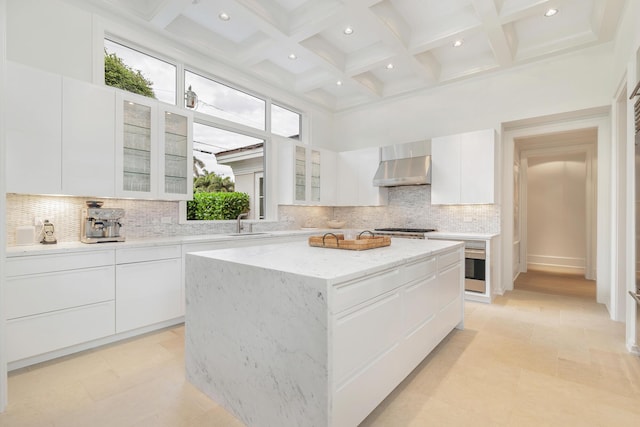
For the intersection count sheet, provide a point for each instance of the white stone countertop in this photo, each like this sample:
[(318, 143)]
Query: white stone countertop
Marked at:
[(64, 247), (333, 265), (461, 236)]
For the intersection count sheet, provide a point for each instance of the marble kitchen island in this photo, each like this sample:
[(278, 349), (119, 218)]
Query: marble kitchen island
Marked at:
[(292, 335)]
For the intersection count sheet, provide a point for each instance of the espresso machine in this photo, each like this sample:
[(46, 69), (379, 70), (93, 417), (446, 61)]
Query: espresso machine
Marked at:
[(101, 224)]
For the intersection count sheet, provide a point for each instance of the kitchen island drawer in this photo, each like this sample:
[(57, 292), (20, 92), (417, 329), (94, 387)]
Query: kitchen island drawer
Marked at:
[(445, 260), (34, 264), (41, 293), (35, 335), (419, 270), (352, 293)]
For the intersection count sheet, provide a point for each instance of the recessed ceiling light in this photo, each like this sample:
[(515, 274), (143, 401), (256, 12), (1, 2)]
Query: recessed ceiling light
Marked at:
[(458, 43), (348, 31), (389, 66), (339, 83), (550, 12), (224, 16), (292, 56)]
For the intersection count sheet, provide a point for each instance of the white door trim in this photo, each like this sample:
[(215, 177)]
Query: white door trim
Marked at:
[(593, 118), (590, 190)]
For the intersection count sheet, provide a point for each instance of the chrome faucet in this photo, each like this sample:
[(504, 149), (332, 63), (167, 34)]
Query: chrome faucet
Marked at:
[(239, 226)]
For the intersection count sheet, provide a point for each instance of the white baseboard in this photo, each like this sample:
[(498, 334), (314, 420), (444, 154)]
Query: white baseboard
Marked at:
[(556, 264), (561, 269)]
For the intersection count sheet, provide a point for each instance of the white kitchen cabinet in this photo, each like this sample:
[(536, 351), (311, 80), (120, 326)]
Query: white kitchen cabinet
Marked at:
[(386, 324), (136, 158), (60, 135), (176, 153), (355, 173), (88, 138), (148, 286), (57, 301), (154, 149), (33, 131), (306, 175), (464, 168)]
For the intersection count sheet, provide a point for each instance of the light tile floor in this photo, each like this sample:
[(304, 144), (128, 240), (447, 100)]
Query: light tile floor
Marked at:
[(529, 359)]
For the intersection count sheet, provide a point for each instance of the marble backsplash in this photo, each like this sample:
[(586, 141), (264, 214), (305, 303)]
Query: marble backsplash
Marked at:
[(408, 207)]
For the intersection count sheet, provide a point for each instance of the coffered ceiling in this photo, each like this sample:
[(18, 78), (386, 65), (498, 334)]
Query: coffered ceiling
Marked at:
[(417, 37)]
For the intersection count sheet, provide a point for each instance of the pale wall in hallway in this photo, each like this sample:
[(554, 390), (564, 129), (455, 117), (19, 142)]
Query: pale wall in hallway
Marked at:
[(556, 211)]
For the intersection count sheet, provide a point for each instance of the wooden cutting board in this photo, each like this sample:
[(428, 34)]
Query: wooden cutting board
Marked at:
[(337, 241)]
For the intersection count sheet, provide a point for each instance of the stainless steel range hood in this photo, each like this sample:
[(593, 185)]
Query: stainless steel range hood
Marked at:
[(404, 164)]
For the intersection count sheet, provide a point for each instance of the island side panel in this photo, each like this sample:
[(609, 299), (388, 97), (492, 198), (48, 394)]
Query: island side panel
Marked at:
[(256, 342)]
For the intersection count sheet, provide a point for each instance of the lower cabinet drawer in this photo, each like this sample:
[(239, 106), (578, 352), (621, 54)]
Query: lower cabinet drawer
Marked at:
[(148, 293), (34, 335), (41, 293), (147, 253), (17, 266)]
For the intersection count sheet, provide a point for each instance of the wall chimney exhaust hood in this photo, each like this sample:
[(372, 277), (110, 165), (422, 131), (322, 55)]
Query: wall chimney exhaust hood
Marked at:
[(404, 164)]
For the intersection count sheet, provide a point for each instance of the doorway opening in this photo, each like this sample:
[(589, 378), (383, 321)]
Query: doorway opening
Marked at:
[(555, 205)]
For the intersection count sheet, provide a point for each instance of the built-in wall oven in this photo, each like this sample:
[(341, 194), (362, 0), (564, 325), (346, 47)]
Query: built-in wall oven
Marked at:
[(475, 266), (475, 255)]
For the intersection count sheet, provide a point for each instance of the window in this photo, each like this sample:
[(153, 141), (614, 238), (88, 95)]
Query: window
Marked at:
[(232, 155), (285, 122), (230, 124), (227, 103), (160, 74)]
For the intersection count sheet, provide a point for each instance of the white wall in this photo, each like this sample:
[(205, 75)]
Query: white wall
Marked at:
[(50, 35), (556, 212), (245, 183)]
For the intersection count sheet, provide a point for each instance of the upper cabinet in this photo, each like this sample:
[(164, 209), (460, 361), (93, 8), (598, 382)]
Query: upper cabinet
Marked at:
[(66, 136), (463, 168), (60, 134), (88, 135), (135, 160), (154, 146), (176, 153), (356, 170), (33, 131), (306, 175)]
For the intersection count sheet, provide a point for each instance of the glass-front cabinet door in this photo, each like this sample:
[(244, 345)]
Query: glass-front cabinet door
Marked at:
[(301, 174), (154, 149), (136, 156), (177, 154), (315, 176)]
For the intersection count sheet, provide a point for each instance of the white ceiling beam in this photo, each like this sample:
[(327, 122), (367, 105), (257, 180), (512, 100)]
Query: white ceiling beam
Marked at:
[(605, 17), (502, 51), (168, 11)]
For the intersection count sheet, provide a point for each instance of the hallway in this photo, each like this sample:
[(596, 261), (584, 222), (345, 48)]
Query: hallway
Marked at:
[(571, 285)]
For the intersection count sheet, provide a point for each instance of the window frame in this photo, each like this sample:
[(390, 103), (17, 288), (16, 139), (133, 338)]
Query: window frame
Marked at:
[(269, 193)]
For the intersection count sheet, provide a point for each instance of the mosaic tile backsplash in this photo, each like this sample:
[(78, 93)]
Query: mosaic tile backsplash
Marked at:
[(409, 206)]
